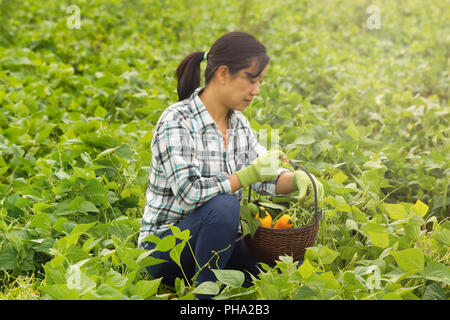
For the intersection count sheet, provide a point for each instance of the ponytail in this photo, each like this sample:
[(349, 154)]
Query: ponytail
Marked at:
[(188, 75)]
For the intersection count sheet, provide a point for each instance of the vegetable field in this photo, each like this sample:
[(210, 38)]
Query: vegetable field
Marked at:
[(356, 91)]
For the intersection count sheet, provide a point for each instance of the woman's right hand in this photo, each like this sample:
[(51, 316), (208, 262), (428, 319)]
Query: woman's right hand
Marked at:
[(263, 168)]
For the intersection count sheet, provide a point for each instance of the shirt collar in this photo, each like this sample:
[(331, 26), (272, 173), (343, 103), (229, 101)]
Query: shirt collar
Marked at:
[(205, 117)]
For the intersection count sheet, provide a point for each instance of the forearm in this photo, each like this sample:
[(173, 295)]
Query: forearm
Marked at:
[(284, 183), (235, 183)]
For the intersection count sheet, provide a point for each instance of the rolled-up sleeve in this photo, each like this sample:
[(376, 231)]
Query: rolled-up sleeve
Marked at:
[(175, 150)]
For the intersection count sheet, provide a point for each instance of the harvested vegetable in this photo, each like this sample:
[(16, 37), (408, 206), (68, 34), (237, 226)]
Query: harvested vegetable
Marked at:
[(265, 219), (284, 222)]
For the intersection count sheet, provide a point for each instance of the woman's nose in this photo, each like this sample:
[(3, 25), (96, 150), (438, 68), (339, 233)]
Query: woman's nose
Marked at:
[(255, 90)]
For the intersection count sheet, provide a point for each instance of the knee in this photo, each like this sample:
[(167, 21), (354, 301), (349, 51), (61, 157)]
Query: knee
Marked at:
[(227, 200), (227, 208)]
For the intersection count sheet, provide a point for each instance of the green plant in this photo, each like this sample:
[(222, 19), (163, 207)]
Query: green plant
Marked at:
[(365, 111)]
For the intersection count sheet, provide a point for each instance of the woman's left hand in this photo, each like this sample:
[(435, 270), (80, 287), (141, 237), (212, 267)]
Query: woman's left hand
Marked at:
[(302, 183)]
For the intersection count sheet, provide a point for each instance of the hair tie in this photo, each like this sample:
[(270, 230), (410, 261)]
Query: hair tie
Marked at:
[(205, 56)]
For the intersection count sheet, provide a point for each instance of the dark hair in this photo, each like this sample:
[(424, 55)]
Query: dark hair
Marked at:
[(237, 50)]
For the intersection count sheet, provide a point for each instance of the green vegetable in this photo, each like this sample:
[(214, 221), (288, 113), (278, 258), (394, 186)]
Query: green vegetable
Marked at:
[(253, 208)]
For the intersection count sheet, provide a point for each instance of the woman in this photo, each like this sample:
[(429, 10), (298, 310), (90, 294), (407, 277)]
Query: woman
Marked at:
[(204, 153)]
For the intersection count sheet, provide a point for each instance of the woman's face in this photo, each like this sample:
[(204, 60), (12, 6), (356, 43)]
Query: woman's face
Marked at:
[(242, 88)]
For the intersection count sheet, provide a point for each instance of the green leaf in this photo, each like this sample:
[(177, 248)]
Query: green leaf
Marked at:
[(58, 224), (434, 291), (396, 211), (398, 275), (14, 61), (101, 142), (304, 140), (436, 271), (306, 269), (45, 132), (177, 233), (411, 259), (82, 205), (62, 187), (175, 253), (305, 293), (147, 288), (353, 282), (340, 177), (283, 198), (420, 208), (358, 214), (45, 245), (329, 281), (2, 95), (253, 225), (166, 243), (352, 131), (93, 188), (151, 238), (351, 225), (207, 287), (412, 227), (272, 205), (75, 254), (39, 206), (322, 254), (442, 237), (41, 220), (91, 243), (232, 293), (377, 234), (106, 292), (327, 255), (106, 152), (82, 228), (61, 292), (124, 152), (391, 296), (232, 278), (8, 258), (100, 112), (78, 280), (245, 212), (128, 256), (145, 261)]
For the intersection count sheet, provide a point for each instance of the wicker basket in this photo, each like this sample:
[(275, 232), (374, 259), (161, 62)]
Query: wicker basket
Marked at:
[(268, 244)]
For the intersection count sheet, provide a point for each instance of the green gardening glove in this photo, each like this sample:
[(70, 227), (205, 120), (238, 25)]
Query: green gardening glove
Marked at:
[(302, 183), (263, 168)]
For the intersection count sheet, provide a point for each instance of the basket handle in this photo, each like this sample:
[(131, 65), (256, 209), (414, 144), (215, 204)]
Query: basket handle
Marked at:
[(316, 209)]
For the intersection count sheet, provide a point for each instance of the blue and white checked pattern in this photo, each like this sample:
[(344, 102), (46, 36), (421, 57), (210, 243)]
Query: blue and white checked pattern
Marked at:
[(190, 164)]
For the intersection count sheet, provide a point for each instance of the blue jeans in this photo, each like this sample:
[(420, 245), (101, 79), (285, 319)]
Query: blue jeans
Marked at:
[(213, 227)]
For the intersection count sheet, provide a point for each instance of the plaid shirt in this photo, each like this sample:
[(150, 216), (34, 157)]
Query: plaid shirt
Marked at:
[(190, 164)]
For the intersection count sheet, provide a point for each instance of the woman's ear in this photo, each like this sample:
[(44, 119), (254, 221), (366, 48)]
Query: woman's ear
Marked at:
[(223, 74)]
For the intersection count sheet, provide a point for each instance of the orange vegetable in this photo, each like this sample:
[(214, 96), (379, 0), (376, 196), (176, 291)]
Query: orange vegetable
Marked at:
[(265, 221), (284, 222)]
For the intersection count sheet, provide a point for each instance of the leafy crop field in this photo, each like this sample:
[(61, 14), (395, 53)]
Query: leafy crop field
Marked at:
[(362, 103)]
